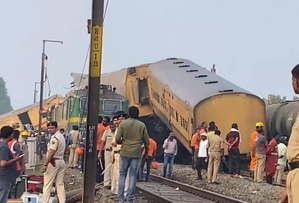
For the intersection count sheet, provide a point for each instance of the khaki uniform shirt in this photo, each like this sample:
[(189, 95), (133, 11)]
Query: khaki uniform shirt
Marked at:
[(75, 137), (215, 143), (293, 145), (57, 143), (107, 138)]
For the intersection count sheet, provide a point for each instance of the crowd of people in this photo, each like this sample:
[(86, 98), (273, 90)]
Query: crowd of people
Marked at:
[(124, 148), (266, 158)]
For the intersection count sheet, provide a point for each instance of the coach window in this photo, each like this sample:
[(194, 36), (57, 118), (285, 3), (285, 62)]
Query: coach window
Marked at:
[(111, 105), (83, 104)]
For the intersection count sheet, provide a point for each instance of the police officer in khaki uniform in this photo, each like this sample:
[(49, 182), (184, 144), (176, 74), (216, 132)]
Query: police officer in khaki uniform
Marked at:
[(116, 156), (54, 167), (74, 143), (215, 151), (292, 186), (107, 147)]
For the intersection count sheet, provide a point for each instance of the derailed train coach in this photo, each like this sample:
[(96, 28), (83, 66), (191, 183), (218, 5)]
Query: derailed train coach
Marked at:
[(184, 94)]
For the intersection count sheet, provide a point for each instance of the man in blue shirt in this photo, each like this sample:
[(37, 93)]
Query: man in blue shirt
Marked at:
[(8, 166)]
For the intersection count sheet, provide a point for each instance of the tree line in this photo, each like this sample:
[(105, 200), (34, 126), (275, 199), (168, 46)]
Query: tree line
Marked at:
[(5, 105), (276, 99)]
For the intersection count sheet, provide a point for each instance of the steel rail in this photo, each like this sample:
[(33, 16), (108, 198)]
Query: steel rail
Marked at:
[(196, 191), (248, 174), (152, 196)]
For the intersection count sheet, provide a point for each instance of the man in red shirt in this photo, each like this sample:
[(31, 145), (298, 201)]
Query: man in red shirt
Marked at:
[(195, 145), (196, 140), (233, 139), (102, 126)]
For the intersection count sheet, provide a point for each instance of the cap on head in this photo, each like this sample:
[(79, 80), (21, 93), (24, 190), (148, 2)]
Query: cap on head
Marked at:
[(203, 134), (282, 139), (198, 127), (259, 124), (52, 124)]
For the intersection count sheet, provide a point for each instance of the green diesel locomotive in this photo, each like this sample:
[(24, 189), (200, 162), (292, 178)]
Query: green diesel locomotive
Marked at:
[(73, 110)]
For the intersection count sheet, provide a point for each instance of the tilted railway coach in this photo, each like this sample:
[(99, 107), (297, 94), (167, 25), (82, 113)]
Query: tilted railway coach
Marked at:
[(178, 95)]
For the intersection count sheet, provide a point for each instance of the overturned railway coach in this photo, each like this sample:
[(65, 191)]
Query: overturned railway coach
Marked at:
[(177, 94), (184, 94)]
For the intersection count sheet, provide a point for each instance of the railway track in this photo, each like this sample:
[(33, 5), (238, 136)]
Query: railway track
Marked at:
[(248, 175), (162, 190)]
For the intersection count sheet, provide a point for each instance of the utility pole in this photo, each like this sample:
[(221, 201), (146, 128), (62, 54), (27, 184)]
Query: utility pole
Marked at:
[(95, 63), (41, 92)]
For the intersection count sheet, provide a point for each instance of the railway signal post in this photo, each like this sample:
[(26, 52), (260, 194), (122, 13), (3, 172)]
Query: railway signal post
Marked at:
[(93, 101)]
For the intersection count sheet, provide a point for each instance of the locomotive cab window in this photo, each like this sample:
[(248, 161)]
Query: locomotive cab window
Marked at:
[(111, 105), (83, 103)]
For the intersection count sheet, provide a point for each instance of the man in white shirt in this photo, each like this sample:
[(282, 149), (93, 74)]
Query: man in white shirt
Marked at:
[(282, 160), (202, 155), (170, 151)]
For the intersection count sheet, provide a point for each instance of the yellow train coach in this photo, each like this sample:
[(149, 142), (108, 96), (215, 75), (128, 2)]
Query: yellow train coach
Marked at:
[(184, 94), (28, 117)]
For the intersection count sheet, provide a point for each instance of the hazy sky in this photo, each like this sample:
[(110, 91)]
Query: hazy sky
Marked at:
[(253, 43)]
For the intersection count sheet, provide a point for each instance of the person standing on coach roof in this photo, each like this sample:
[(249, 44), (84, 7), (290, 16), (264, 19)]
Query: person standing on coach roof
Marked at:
[(215, 151), (54, 167), (131, 134), (170, 147), (8, 166), (292, 186), (233, 139)]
